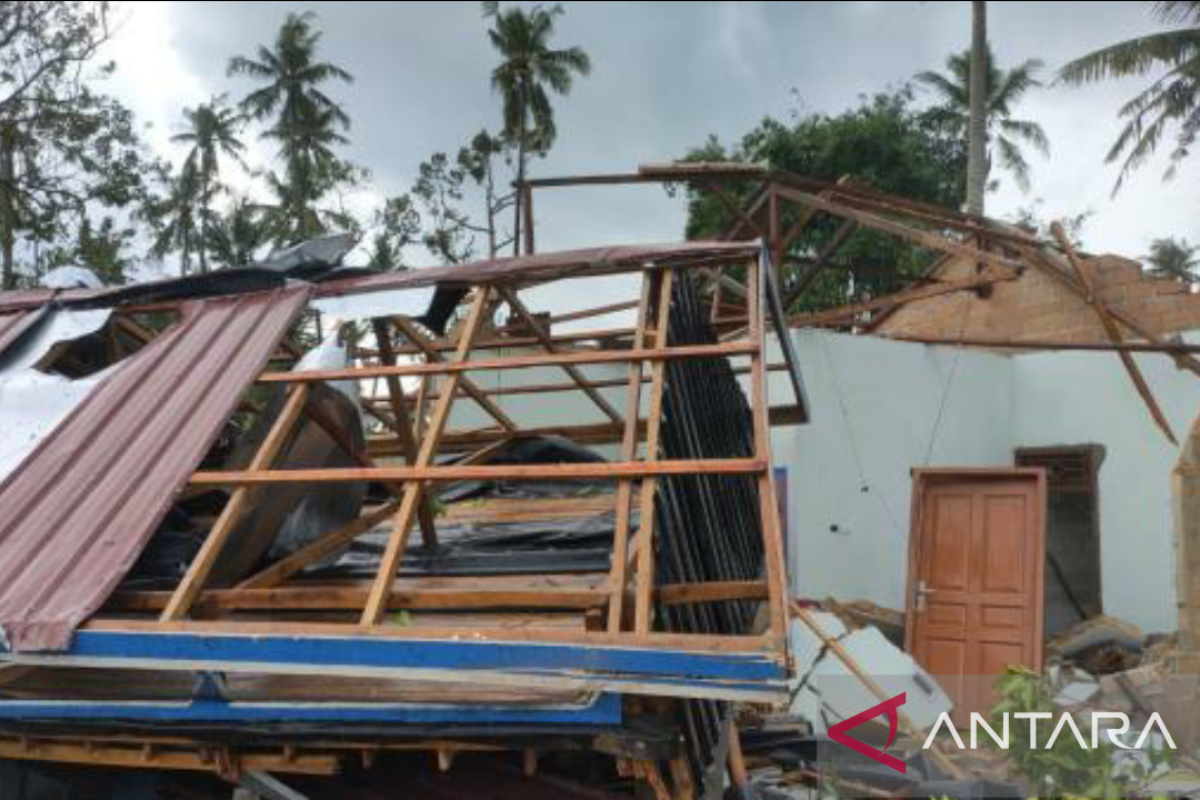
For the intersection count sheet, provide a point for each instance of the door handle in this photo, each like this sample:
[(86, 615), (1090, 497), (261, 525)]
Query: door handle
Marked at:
[(920, 592)]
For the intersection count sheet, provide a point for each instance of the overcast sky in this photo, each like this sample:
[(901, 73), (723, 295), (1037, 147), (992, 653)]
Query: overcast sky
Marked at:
[(665, 76)]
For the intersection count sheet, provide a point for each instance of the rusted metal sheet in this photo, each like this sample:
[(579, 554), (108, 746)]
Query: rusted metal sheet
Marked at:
[(14, 324), (587, 262), (77, 513)]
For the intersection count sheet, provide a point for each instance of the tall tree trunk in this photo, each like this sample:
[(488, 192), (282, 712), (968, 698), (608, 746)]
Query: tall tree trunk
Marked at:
[(204, 228), (8, 215), (977, 126), (521, 142)]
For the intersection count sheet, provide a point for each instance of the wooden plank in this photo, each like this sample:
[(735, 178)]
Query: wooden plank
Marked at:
[(922, 237), (776, 572), (390, 562), (404, 427), (466, 385), (580, 380), (1114, 334), (629, 445), (645, 561), (512, 472), (200, 759), (605, 383), (729, 350), (446, 595), (1166, 348), (809, 274), (321, 548), (836, 315), (206, 558), (711, 592)]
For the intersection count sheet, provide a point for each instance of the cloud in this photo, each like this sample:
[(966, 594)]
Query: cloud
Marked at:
[(665, 76)]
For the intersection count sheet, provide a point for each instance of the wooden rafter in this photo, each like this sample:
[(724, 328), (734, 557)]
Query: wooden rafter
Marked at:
[(404, 427), (468, 386), (239, 501), (1114, 334), (629, 446), (580, 380), (398, 541), (646, 522)]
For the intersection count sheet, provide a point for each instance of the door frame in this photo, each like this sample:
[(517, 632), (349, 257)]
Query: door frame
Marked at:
[(922, 477)]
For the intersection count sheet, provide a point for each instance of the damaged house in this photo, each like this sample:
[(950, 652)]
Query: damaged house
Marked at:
[(296, 522)]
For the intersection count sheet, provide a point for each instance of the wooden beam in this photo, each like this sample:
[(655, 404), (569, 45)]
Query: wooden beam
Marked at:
[(511, 472), (580, 380), (629, 446), (1113, 333), (776, 572), (809, 274), (646, 522), (206, 558), (398, 542), (924, 238), (726, 350), (466, 385), (404, 427), (318, 549), (1170, 349), (836, 315)]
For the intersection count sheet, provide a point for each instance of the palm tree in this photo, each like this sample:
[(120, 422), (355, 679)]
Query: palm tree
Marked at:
[(175, 219), (1005, 90), (212, 131), (528, 67), (238, 235), (977, 101), (1174, 258), (307, 122), (1173, 98)]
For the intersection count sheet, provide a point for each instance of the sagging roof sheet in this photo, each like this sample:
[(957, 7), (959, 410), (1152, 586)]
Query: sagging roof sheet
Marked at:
[(14, 324), (584, 262), (76, 514)]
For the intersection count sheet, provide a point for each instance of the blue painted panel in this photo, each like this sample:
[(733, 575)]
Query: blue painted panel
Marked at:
[(424, 654)]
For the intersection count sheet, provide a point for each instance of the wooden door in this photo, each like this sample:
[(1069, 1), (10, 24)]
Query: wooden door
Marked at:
[(975, 577)]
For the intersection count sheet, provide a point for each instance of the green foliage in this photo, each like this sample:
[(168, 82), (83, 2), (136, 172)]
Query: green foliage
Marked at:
[(1005, 134), (439, 188), (1170, 102), (529, 69), (212, 132), (1064, 770), (67, 151), (883, 143), (1173, 258), (305, 122)]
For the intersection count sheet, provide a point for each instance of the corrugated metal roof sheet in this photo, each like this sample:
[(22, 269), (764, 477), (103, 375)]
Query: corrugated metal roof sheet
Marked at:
[(589, 261), (586, 262), (77, 513), (15, 324)]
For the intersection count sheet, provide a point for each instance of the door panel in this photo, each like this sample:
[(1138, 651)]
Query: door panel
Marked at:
[(975, 577)]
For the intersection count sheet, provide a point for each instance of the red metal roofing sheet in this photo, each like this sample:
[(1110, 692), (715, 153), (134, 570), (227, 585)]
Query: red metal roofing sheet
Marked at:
[(77, 513), (13, 325), (537, 267), (586, 262)]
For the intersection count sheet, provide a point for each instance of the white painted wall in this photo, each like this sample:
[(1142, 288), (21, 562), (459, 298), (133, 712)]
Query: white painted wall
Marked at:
[(874, 404), (1085, 398), (875, 407)]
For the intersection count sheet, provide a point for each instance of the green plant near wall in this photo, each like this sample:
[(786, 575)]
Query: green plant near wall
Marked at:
[(1065, 769)]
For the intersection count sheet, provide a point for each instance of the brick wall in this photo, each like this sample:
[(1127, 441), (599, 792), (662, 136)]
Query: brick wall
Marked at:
[(1035, 306)]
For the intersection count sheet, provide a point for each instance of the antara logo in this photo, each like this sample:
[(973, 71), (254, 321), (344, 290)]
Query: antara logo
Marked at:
[(1065, 720), (838, 732)]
